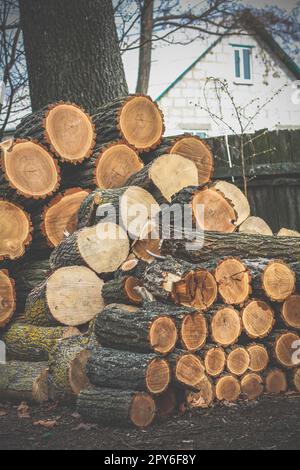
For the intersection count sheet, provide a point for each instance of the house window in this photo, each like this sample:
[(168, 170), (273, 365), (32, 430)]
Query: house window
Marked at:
[(243, 64)]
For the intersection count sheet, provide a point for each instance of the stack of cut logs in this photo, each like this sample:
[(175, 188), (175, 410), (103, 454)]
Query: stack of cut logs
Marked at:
[(127, 313)]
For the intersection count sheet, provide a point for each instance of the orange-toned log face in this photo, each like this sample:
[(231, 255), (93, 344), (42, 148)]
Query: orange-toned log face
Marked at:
[(194, 332), (238, 361), (15, 230), (189, 370), (259, 357), (291, 311), (258, 319), (7, 298), (226, 326), (276, 382), (215, 360), (285, 347), (60, 218), (158, 376), (233, 281), (163, 335), (115, 165), (219, 215), (197, 289), (70, 132), (228, 388), (142, 411), (278, 281), (252, 386), (31, 169)]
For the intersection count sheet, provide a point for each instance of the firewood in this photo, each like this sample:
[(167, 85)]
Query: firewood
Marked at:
[(252, 386), (7, 298), (203, 397), (121, 206), (234, 281), (122, 291), (166, 403), (64, 127), (122, 407), (193, 331), (237, 198), (188, 369), (255, 226), (102, 248), (128, 371), (239, 245), (226, 325), (283, 345), (30, 170), (166, 176), (67, 361), (15, 229), (290, 311), (147, 246), (190, 147), (258, 319), (285, 232), (275, 381), (214, 359), (24, 381), (32, 343), (238, 360), (70, 296), (136, 119), (183, 283), (132, 267), (129, 328), (259, 357), (228, 388), (218, 214), (295, 379)]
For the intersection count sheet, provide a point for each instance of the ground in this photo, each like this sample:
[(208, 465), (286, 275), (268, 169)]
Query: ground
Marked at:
[(270, 423)]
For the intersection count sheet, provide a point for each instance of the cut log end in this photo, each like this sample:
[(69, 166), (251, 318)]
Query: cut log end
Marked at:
[(31, 170), (226, 326), (218, 216), (258, 319), (163, 335), (237, 198), (238, 361), (74, 295), (234, 281), (278, 281), (255, 226), (183, 173), (197, 289), (7, 298), (252, 386), (204, 397), (15, 229), (158, 376), (189, 370), (142, 410), (115, 165), (198, 152), (60, 216), (228, 388), (259, 357), (284, 349), (215, 361), (130, 288), (194, 332), (70, 132), (290, 311), (77, 376), (276, 382), (141, 123), (147, 248)]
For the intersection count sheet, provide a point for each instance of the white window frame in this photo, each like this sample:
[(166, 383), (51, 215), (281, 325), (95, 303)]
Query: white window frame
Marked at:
[(242, 80)]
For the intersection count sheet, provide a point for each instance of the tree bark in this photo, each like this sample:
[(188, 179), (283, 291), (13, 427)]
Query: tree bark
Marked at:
[(85, 67), (145, 51)]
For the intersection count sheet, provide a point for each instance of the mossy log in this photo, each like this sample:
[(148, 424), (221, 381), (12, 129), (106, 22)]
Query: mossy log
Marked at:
[(128, 371), (67, 361), (136, 119), (121, 407), (24, 381), (69, 296), (63, 127), (33, 343)]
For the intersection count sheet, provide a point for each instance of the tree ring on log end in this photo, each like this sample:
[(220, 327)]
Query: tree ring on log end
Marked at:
[(129, 286), (197, 289), (238, 361), (226, 326), (15, 229), (278, 281), (259, 357), (237, 198), (291, 311), (163, 335), (252, 386), (158, 376), (284, 349), (141, 123), (31, 169), (215, 361), (115, 165), (73, 295), (228, 388), (70, 132), (142, 410), (276, 382), (7, 298), (234, 281), (258, 319), (204, 397), (194, 331), (189, 370)]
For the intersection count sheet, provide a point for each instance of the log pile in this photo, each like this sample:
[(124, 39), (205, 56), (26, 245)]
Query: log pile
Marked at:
[(123, 311)]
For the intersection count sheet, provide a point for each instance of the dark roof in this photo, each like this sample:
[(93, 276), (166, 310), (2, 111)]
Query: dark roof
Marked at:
[(251, 23)]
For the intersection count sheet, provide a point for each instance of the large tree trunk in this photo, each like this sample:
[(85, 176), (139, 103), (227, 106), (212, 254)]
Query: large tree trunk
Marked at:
[(77, 57), (145, 51)]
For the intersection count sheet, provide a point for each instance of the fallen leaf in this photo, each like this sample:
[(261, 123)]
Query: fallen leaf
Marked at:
[(23, 410), (47, 423)]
